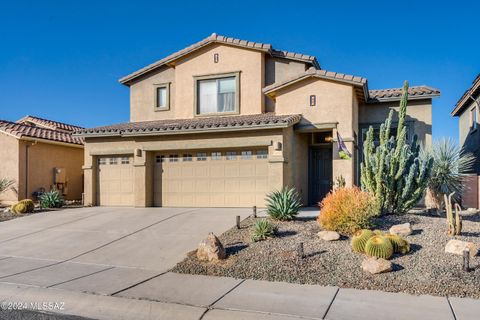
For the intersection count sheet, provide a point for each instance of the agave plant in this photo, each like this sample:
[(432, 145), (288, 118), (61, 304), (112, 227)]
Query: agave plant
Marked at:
[(262, 229), (51, 199), (6, 184), (450, 163), (283, 204)]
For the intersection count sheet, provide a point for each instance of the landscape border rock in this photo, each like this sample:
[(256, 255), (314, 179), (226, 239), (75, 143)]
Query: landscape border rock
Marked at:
[(403, 230)]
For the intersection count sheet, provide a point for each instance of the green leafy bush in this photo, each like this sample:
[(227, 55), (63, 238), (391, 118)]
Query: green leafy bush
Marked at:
[(51, 199), (283, 204), (262, 229)]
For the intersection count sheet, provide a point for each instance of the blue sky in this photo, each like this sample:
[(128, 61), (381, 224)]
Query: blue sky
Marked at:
[(62, 59)]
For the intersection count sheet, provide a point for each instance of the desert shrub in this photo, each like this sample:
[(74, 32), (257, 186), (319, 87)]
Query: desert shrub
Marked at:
[(262, 229), (51, 199), (6, 184), (347, 210), (283, 204)]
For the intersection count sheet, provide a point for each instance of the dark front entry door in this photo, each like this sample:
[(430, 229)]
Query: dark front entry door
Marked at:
[(320, 174)]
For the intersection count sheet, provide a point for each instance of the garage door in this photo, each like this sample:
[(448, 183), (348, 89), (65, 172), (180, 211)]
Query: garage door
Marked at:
[(115, 181), (212, 178)]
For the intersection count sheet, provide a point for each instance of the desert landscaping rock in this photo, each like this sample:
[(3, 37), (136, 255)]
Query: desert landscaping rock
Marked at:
[(329, 235), (211, 249), (403, 230), (427, 269), (376, 265), (457, 247)]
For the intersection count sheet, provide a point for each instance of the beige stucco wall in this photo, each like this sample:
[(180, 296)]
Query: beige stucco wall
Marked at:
[(9, 165), (42, 159), (143, 99), (418, 111), (249, 63), (143, 187)]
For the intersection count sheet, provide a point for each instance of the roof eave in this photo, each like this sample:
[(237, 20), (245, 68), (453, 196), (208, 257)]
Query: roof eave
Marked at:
[(410, 97)]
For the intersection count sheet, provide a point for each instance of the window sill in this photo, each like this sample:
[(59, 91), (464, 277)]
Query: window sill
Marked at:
[(217, 114), (155, 109)]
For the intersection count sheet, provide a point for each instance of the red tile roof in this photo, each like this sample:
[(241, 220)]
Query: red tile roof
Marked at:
[(463, 101), (215, 38), (19, 131), (49, 124), (418, 92), (265, 120)]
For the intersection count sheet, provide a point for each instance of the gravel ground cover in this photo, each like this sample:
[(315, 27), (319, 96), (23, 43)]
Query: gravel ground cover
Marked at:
[(427, 269)]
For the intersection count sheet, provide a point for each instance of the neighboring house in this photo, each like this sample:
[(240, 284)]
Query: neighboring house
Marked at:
[(40, 154), (467, 111), (225, 121)]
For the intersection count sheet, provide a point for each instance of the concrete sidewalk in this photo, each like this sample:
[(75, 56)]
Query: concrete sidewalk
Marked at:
[(178, 296)]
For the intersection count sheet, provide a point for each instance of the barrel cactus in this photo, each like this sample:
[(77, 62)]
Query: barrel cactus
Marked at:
[(380, 247), (19, 208), (399, 244), (30, 207), (378, 232), (360, 239)]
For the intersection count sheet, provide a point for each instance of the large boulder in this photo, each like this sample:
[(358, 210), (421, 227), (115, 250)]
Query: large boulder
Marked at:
[(375, 265), (211, 249), (403, 230), (329, 235), (457, 247)]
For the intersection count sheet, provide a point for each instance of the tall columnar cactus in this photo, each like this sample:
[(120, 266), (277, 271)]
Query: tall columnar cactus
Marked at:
[(454, 221), (394, 171)]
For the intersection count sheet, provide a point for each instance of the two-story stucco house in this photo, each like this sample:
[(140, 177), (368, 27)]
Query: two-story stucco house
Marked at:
[(225, 121), (467, 111)]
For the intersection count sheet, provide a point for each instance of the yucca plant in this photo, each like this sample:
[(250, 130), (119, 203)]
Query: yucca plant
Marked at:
[(51, 199), (450, 163), (6, 184), (283, 204), (262, 229)]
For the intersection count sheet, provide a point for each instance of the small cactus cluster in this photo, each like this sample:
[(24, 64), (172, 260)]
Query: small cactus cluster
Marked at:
[(454, 221), (23, 206), (377, 244)]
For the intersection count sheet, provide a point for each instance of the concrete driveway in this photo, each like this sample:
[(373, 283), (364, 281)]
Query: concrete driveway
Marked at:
[(103, 250)]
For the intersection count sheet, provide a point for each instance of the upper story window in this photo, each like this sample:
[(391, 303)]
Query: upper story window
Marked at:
[(162, 97), (217, 95), (473, 119)]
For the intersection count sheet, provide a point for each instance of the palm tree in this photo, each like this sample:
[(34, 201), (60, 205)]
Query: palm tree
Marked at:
[(450, 163)]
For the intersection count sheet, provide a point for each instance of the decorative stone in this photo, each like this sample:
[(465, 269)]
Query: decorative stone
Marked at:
[(375, 265), (6, 210), (329, 235), (211, 249), (402, 230), (458, 246)]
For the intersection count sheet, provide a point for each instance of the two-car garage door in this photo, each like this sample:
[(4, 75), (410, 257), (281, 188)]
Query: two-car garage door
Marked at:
[(211, 178), (204, 178)]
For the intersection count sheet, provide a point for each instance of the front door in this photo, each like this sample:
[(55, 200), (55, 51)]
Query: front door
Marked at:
[(320, 174)]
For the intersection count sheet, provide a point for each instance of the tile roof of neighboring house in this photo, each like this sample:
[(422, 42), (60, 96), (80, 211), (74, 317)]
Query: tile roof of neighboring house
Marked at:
[(393, 94), (19, 131), (256, 121), (49, 124), (462, 102), (323, 74), (214, 38)]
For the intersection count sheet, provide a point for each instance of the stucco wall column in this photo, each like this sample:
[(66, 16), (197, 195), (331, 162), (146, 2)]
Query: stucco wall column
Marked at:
[(342, 167), (90, 178), (140, 179)]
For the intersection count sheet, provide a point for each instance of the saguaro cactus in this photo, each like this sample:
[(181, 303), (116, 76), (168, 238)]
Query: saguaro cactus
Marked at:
[(394, 171)]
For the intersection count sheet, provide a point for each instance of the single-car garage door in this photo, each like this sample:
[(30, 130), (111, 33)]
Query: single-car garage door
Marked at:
[(211, 178), (115, 181)]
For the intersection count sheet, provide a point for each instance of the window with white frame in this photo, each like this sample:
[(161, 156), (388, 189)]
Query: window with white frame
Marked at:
[(216, 156), (246, 155), (102, 161), (202, 156), (162, 96), (173, 158), (125, 160), (187, 157), (159, 159), (112, 161), (262, 154), (218, 95), (231, 155)]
